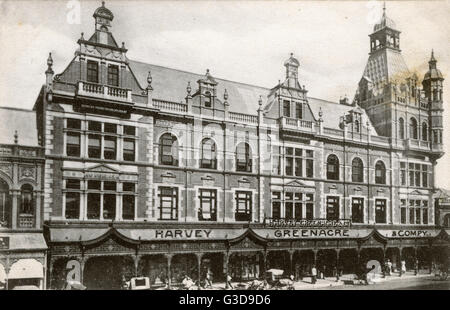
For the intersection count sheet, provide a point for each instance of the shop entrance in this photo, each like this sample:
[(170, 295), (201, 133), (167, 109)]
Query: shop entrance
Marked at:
[(374, 255), (155, 268), (279, 260), (245, 266), (302, 261), (213, 262), (107, 272), (348, 260), (409, 256), (183, 264), (424, 257), (393, 254), (326, 262)]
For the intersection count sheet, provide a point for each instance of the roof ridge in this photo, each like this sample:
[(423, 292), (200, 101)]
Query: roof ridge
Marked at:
[(200, 75)]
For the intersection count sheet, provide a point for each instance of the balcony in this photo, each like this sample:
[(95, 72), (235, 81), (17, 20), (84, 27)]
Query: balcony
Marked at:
[(169, 106), (415, 144), (297, 124), (104, 91), (243, 118)]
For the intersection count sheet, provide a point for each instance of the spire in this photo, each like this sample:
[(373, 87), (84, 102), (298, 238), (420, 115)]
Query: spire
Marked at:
[(149, 81), (16, 137), (433, 61), (49, 64)]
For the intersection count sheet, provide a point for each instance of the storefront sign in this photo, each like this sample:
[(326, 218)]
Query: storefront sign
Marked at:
[(102, 176), (281, 223), (182, 233), (409, 233), (4, 243), (312, 233)]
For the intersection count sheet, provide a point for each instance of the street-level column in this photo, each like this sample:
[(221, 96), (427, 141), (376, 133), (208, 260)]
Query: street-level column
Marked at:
[(431, 259), (400, 251), (264, 254), (15, 195), (169, 273), (226, 256), (291, 259), (337, 264), (199, 265), (82, 264), (315, 257), (136, 259)]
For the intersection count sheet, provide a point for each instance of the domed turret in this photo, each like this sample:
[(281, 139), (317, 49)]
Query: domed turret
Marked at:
[(103, 17), (433, 71), (385, 22)]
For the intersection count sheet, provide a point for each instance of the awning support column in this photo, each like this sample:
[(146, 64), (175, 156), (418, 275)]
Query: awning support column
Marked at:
[(169, 273)]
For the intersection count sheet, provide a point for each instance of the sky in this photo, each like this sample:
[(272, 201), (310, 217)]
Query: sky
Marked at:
[(244, 41)]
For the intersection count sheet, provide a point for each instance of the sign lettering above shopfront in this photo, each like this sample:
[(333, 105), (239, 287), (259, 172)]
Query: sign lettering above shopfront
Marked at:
[(182, 233), (409, 233), (323, 223)]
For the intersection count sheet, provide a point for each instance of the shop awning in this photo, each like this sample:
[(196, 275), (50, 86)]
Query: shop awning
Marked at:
[(76, 234), (26, 269), (25, 241), (181, 234)]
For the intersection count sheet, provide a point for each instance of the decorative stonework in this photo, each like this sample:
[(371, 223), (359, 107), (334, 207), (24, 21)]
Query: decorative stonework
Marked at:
[(27, 172), (5, 151), (27, 153), (7, 169)]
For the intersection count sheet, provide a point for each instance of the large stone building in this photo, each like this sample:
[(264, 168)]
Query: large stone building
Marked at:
[(23, 250), (159, 172)]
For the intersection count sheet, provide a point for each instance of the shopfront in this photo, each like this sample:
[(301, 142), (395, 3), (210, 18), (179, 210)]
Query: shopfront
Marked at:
[(22, 261), (167, 255)]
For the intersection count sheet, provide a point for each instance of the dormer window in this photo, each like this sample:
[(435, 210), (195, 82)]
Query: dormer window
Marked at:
[(92, 71), (298, 110), (208, 99), (113, 75)]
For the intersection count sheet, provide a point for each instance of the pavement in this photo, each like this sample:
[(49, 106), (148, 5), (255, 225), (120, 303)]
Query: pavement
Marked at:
[(347, 280)]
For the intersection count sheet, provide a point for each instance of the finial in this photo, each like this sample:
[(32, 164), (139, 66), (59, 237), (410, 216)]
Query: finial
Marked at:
[(292, 54), (260, 100), (432, 55), (82, 36), (149, 79), (225, 95), (49, 60), (320, 112), (123, 44), (16, 137), (384, 8), (367, 124), (103, 3), (207, 72), (188, 88)]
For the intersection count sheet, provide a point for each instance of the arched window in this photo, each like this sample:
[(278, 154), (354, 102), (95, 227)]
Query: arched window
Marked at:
[(332, 167), (357, 170), (412, 128), (5, 205), (424, 132), (380, 173), (168, 150), (208, 156), (243, 157), (357, 126), (26, 199), (401, 128)]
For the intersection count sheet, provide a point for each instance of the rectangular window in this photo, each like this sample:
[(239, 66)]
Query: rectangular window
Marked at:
[(298, 110), (113, 75), (94, 146), (418, 216), (128, 201), (72, 210), (276, 160), (109, 149), (417, 174), (411, 212), (380, 211), (425, 213), (276, 205), (128, 150), (73, 123), (357, 210), (93, 206), (110, 128), (424, 175), (294, 161), (243, 206), (403, 173), (73, 144), (109, 206), (298, 206), (309, 164), (95, 126), (411, 174), (332, 208), (289, 205), (286, 108), (168, 203), (92, 71), (129, 130), (208, 205), (309, 206), (403, 211)]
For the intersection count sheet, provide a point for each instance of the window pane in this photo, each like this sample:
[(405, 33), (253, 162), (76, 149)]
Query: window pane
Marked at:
[(72, 205), (110, 128), (109, 206), (73, 123), (94, 147), (113, 75), (109, 149), (128, 187), (128, 207), (94, 185), (128, 150), (95, 126), (93, 206), (109, 186), (73, 144), (73, 184), (129, 130), (92, 71)]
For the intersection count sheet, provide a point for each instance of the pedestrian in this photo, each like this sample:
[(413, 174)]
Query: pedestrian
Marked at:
[(313, 274), (403, 267), (209, 276), (416, 267), (389, 265), (228, 279)]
